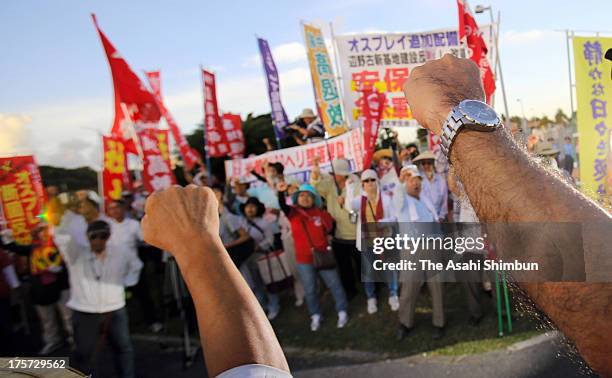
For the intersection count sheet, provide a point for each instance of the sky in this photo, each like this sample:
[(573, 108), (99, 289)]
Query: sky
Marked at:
[(56, 90)]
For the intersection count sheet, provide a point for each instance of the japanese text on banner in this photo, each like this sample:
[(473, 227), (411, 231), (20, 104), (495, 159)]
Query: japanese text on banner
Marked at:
[(594, 96), (324, 82), (384, 61), (113, 169), (22, 195)]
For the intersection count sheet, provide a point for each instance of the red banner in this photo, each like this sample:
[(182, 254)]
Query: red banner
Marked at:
[(163, 139), (189, 155), (114, 168), (216, 142), (157, 173), (22, 195), (372, 111), (232, 127), (469, 30)]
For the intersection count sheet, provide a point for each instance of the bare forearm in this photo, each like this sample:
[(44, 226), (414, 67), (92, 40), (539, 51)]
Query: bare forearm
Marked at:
[(505, 185), (233, 327)]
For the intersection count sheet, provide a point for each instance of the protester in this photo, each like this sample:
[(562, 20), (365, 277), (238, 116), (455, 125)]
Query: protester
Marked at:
[(233, 232), (408, 153), (372, 206), (262, 232), (312, 130), (432, 90), (126, 233), (293, 186), (8, 283), (418, 210), (236, 337), (434, 184), (98, 275), (49, 288), (310, 226), (89, 207), (237, 194), (569, 155), (266, 193), (333, 189)]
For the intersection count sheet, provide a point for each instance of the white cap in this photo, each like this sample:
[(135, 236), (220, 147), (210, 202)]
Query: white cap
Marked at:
[(369, 174), (414, 171)]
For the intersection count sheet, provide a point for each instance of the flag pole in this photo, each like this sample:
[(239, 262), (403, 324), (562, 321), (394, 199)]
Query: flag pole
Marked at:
[(339, 79), (206, 155)]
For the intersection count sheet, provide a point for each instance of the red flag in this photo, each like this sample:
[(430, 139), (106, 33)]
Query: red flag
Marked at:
[(476, 45), (190, 156), (232, 128), (216, 142), (372, 111), (133, 102)]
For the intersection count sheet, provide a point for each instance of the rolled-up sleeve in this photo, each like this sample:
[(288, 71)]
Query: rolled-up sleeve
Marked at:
[(254, 371)]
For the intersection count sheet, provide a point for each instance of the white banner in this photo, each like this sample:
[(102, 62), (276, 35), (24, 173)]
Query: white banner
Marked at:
[(384, 61), (298, 160)]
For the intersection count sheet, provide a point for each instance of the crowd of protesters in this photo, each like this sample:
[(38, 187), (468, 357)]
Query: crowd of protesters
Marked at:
[(284, 236)]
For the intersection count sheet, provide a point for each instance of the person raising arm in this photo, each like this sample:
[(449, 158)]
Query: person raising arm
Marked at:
[(505, 185), (234, 330)]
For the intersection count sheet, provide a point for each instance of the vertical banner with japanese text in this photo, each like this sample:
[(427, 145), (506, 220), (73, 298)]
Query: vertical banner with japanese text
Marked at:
[(22, 196), (216, 143), (279, 116), (157, 173), (113, 168), (372, 113), (232, 127), (189, 155), (593, 93), (324, 82), (163, 142), (383, 61)]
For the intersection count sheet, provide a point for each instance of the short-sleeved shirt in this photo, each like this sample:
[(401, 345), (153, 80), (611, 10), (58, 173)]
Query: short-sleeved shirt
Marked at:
[(126, 233), (265, 195), (261, 231), (229, 224)]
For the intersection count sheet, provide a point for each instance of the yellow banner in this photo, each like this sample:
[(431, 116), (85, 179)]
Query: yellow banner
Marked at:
[(594, 113), (323, 81)]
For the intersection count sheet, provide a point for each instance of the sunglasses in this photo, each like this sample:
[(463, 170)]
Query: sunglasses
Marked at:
[(100, 235), (369, 180)]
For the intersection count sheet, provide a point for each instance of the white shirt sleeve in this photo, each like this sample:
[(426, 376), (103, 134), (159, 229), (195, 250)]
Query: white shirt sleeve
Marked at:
[(133, 270), (10, 276), (254, 371)]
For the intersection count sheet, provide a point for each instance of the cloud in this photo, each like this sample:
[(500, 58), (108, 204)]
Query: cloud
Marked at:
[(16, 138), (73, 153)]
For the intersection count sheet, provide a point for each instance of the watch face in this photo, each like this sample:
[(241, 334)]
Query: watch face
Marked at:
[(479, 112)]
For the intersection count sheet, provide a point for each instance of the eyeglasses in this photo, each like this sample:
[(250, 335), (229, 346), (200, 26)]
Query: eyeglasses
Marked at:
[(369, 180), (101, 235)]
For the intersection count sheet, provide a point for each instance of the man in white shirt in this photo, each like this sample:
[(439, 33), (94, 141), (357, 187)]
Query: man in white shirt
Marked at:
[(434, 184), (414, 210), (98, 275)]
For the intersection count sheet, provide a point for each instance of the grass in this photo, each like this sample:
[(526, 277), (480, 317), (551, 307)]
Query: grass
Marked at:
[(376, 333)]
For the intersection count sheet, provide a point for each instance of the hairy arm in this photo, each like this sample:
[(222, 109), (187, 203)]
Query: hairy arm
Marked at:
[(505, 185), (234, 330)]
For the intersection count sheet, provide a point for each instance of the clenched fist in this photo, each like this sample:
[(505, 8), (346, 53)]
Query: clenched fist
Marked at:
[(434, 88), (176, 217)]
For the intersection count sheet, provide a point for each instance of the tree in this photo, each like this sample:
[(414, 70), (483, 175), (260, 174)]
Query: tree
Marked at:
[(560, 117), (254, 130), (69, 179)]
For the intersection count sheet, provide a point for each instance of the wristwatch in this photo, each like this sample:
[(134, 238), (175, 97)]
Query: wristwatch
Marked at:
[(469, 114)]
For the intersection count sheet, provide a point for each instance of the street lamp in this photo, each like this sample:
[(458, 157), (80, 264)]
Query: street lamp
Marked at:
[(480, 9)]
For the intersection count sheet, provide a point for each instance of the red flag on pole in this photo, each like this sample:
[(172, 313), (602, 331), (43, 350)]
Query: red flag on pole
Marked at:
[(190, 156), (216, 141), (133, 102), (477, 47), (372, 110)]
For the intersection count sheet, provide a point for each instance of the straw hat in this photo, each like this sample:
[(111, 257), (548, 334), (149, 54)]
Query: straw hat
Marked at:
[(385, 153), (546, 149), (307, 113), (426, 155)]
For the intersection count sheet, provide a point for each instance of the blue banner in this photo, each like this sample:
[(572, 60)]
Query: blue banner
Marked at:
[(279, 117)]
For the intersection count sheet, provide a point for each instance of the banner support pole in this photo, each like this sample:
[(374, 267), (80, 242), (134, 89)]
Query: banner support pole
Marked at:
[(206, 156)]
